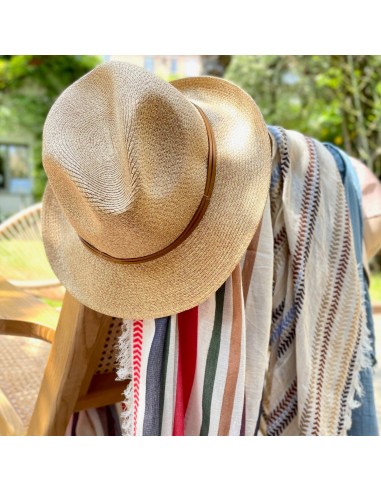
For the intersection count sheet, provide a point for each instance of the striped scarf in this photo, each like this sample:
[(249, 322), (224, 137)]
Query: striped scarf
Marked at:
[(277, 350), (101, 421), (319, 339), (201, 372)]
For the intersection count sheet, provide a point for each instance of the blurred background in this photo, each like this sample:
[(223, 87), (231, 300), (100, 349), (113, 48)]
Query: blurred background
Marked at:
[(333, 98)]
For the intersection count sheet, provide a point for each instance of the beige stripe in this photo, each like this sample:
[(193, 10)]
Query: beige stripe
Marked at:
[(239, 396), (234, 356), (249, 261), (258, 309)]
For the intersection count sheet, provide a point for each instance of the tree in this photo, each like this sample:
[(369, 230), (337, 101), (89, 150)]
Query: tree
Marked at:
[(29, 85), (334, 98), (215, 64)]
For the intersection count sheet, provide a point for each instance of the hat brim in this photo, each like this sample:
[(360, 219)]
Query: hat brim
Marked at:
[(189, 274)]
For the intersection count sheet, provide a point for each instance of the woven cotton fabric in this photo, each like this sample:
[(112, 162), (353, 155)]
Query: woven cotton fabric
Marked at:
[(278, 349), (102, 421), (201, 372), (319, 339)]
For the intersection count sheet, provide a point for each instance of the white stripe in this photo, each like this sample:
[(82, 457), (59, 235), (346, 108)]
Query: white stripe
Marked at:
[(170, 383), (193, 416), (223, 360), (258, 322)]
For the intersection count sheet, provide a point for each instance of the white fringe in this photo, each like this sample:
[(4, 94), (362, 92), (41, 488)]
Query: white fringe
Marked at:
[(124, 372), (363, 361)]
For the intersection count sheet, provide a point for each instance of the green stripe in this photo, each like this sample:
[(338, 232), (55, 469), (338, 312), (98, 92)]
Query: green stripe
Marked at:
[(211, 362), (164, 371)]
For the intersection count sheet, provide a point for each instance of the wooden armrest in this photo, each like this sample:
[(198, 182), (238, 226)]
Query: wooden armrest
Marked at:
[(22, 314), (25, 329)]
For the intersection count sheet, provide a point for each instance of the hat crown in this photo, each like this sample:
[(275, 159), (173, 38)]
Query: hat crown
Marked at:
[(126, 157), (130, 162)]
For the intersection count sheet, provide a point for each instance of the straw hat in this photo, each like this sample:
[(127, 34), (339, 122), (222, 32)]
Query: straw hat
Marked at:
[(154, 189)]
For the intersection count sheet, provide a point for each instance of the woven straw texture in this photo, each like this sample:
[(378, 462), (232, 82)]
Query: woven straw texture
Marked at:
[(22, 364), (126, 156)]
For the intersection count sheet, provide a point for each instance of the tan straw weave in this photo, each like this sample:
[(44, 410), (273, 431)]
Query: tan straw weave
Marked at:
[(22, 364), (126, 155)]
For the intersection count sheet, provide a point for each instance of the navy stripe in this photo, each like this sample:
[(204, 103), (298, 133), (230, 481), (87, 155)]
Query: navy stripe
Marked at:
[(151, 424)]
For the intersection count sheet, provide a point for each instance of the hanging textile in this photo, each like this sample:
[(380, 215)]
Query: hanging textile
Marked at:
[(364, 418), (295, 297), (319, 338)]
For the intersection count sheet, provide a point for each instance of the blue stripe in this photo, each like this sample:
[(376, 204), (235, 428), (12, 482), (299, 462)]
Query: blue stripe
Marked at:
[(151, 424), (283, 325)]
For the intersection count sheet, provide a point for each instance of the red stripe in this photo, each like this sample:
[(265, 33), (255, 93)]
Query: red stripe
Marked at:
[(186, 366), (137, 337), (178, 417)]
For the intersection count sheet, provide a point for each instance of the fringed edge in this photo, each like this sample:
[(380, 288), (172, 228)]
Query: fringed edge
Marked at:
[(125, 372), (363, 361)]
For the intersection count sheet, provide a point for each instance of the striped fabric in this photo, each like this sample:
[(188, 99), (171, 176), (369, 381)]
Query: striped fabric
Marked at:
[(277, 350), (201, 372), (319, 338), (102, 421)]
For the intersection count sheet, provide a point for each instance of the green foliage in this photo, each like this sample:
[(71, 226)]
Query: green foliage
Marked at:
[(375, 287), (54, 303), (20, 260), (334, 98), (29, 85)]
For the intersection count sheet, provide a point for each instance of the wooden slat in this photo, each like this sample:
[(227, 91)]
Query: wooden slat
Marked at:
[(22, 314), (10, 422), (25, 329), (103, 390), (17, 305), (103, 323), (76, 337)]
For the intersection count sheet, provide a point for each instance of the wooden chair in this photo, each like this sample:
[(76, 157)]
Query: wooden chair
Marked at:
[(80, 370)]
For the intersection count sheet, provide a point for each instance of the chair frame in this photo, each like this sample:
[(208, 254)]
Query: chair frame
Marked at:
[(69, 382)]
